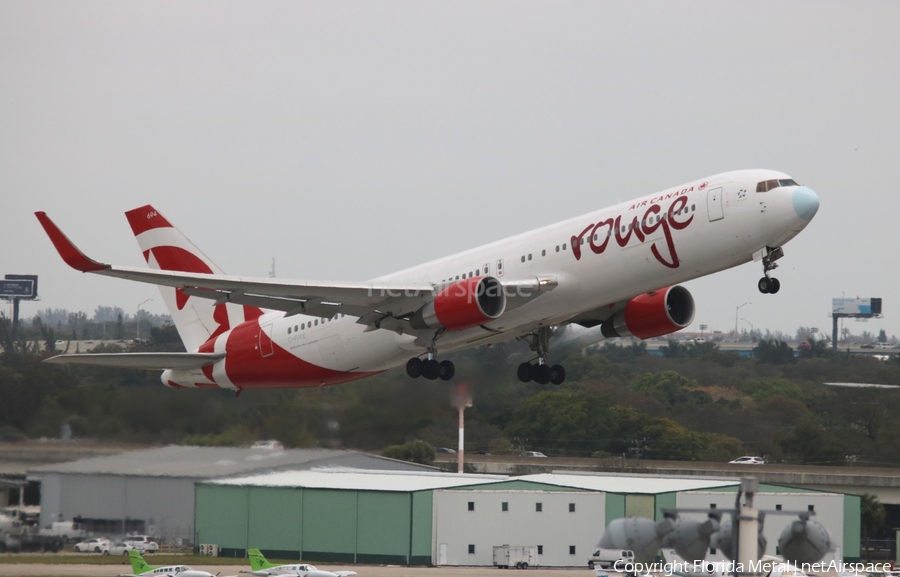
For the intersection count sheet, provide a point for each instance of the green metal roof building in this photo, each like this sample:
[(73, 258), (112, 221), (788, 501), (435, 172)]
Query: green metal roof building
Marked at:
[(352, 516)]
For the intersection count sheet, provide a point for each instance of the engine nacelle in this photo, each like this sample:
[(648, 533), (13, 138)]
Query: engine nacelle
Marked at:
[(652, 314), (462, 305)]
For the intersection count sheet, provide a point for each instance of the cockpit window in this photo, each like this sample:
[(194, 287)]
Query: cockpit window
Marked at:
[(767, 185)]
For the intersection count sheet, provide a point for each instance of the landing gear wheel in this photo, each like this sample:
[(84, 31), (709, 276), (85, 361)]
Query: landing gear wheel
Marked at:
[(764, 285), (447, 370), (525, 372), (414, 367), (431, 369), (557, 374), (542, 374), (776, 286)]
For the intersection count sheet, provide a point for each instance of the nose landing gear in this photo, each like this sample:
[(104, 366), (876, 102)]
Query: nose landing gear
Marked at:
[(541, 372), (767, 284)]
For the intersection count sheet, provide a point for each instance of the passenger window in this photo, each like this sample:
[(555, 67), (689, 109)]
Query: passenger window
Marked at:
[(544, 252), (303, 326), (564, 246), (289, 330), (529, 256), (523, 258), (557, 248), (693, 207), (317, 322), (487, 268)]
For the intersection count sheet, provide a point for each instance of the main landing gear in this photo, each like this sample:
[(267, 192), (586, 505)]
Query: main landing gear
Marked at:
[(541, 372), (767, 284), (430, 368)]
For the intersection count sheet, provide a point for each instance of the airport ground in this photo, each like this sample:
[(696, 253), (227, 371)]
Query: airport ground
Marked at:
[(82, 569)]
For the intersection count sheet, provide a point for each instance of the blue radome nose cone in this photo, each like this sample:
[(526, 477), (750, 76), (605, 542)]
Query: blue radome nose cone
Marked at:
[(806, 203)]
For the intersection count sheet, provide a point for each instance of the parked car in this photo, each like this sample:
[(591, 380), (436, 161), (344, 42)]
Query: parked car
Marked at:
[(867, 346), (445, 451), (532, 454), (272, 445), (119, 548), (142, 543), (95, 545), (748, 461)]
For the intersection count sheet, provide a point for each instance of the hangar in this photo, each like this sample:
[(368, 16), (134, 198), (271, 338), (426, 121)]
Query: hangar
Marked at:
[(450, 519), (152, 491)]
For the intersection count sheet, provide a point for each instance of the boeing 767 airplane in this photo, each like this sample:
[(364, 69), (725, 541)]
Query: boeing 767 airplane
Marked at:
[(616, 269)]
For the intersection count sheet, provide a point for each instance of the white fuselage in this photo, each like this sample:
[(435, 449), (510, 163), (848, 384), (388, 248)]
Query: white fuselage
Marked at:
[(656, 241)]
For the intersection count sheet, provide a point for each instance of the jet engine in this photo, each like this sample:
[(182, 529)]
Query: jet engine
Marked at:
[(462, 305), (652, 314)]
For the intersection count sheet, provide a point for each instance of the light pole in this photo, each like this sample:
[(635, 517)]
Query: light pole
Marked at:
[(751, 327), (137, 316), (736, 309)]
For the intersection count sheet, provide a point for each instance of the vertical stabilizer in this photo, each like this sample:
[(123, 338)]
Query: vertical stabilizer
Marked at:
[(138, 565), (165, 248), (257, 561)]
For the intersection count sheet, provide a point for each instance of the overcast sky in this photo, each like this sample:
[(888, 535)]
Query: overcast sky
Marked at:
[(350, 139)]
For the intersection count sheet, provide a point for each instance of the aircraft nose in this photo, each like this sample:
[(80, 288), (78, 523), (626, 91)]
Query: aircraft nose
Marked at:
[(806, 202)]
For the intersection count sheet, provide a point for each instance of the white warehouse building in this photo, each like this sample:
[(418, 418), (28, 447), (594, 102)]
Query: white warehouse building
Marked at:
[(445, 519)]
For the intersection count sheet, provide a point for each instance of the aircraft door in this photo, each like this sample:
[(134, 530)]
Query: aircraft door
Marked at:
[(714, 204), (266, 348)]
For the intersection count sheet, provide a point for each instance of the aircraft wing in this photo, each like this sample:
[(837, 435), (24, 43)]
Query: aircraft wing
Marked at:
[(374, 303), (151, 361)]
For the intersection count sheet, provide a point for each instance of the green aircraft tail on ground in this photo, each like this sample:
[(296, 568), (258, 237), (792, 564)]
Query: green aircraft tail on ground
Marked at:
[(258, 561), (138, 565)]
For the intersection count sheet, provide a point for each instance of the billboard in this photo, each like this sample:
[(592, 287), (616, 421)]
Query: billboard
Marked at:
[(856, 306), (23, 286)]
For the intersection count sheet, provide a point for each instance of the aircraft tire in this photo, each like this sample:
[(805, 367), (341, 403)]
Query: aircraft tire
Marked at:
[(542, 374), (525, 372), (764, 285), (557, 374), (431, 369), (447, 370), (414, 367), (776, 286)]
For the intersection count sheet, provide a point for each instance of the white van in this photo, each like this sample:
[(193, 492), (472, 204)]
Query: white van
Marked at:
[(606, 558), (69, 530)]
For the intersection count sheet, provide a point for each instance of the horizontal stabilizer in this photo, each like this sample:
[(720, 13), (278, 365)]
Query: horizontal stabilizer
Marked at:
[(151, 361)]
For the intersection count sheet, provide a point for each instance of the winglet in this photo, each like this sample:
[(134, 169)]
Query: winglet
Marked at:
[(68, 251)]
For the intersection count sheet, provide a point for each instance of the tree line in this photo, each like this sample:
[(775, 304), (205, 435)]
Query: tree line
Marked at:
[(695, 402)]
